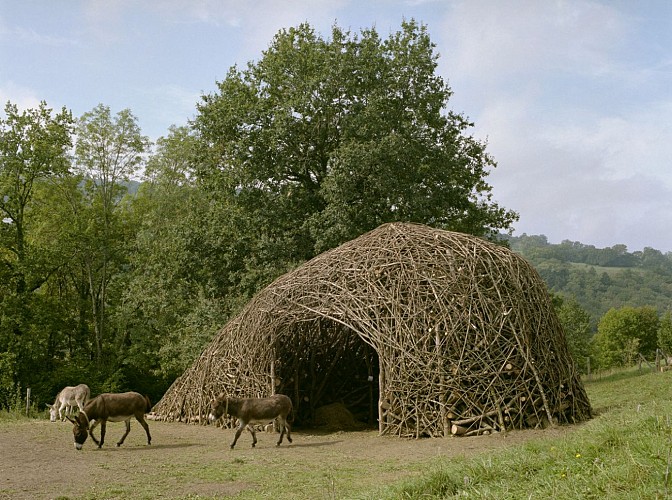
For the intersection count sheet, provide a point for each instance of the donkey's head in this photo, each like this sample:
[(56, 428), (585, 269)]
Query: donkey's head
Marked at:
[(80, 429), (218, 407), (53, 412)]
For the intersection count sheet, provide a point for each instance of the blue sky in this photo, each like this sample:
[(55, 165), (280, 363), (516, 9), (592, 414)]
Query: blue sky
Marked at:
[(573, 96)]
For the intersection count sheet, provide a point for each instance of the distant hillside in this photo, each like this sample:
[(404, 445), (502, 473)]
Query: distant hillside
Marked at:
[(600, 278)]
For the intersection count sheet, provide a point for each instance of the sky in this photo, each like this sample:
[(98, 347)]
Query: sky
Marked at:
[(573, 97)]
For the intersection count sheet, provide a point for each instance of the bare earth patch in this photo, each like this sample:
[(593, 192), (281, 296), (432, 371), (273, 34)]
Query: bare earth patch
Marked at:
[(38, 461)]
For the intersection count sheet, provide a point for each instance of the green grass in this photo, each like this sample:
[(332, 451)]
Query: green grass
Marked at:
[(625, 452), (611, 271)]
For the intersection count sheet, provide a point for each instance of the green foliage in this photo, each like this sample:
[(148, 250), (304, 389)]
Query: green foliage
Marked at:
[(324, 139), (109, 151), (7, 378), (665, 333), (600, 279), (169, 308), (14, 406), (623, 333), (34, 148), (576, 323), (315, 143)]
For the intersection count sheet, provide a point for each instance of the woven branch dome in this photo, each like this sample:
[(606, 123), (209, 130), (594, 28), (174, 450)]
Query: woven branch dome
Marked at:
[(424, 331)]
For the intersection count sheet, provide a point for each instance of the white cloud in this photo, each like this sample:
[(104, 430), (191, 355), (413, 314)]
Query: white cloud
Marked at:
[(251, 17), (168, 104), (579, 127), (104, 19), (597, 179), (637, 143), (31, 36), (495, 40), (573, 95), (255, 23), (23, 97)]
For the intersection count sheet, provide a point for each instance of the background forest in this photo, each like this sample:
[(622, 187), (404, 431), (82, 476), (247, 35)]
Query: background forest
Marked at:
[(121, 258), (600, 278)]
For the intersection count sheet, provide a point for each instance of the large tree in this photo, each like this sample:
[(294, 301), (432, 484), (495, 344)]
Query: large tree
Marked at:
[(109, 152), (624, 333), (575, 322), (33, 152), (665, 333), (33, 148), (168, 307), (324, 139)]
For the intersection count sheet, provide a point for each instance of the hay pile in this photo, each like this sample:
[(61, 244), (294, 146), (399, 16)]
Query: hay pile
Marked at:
[(428, 332), (336, 417)]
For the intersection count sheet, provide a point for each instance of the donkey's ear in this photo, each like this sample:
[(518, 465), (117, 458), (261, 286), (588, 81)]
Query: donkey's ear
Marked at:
[(71, 420), (48, 405)]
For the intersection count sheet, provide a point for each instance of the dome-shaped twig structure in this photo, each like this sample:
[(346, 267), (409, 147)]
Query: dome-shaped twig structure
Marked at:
[(429, 332)]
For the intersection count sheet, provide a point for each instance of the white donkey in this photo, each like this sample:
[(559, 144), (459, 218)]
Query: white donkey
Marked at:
[(67, 399)]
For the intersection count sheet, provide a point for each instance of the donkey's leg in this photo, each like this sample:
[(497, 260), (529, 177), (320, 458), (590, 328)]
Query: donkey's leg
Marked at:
[(250, 428), (103, 426), (241, 426), (285, 427), (143, 422), (102, 432), (128, 429), (289, 431)]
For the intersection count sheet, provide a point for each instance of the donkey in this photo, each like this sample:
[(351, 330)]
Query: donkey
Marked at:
[(251, 411), (67, 399), (115, 408)]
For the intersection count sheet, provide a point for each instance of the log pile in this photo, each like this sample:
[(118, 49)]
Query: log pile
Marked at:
[(429, 332)]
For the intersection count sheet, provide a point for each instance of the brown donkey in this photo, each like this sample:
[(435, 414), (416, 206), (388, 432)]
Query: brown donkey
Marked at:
[(115, 408), (253, 410)]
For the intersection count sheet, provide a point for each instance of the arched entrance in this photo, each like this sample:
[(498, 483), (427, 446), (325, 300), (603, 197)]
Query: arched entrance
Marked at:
[(321, 362)]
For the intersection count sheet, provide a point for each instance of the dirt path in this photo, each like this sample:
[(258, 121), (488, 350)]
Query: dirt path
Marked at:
[(38, 459)]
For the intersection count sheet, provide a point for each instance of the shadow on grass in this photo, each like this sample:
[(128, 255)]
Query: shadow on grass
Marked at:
[(151, 447), (313, 445)]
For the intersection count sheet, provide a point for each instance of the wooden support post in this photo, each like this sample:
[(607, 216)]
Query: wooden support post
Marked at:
[(443, 412), (381, 392), (273, 374)]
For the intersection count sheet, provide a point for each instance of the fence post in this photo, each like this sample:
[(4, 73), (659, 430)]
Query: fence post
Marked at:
[(590, 376), (642, 358), (27, 400)]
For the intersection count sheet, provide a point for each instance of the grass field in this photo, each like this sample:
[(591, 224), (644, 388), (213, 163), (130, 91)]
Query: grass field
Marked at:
[(622, 453)]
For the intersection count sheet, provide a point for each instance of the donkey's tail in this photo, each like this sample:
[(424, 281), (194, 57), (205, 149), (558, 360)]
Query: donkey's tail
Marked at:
[(290, 415), (148, 404)]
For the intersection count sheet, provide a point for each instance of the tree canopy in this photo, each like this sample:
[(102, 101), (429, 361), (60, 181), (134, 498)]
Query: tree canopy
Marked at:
[(324, 139), (624, 333), (33, 149)]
